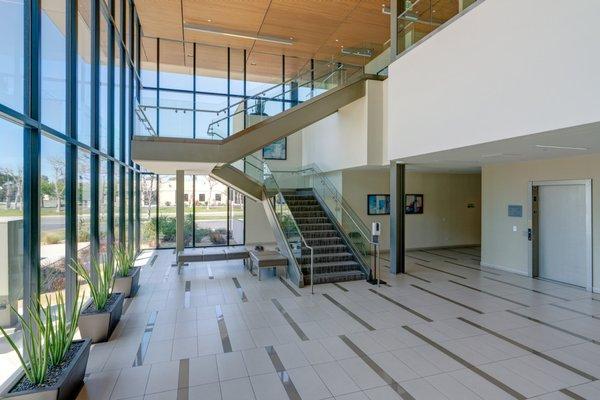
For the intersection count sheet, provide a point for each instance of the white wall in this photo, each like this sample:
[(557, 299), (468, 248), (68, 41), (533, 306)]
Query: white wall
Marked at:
[(506, 68), (506, 184), (446, 220), (350, 138)]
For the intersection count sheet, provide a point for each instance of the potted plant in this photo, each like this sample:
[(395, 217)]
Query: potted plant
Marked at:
[(100, 316), (128, 275), (55, 364)]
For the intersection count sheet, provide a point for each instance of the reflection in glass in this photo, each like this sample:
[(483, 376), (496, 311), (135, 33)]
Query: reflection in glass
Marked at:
[(148, 210), (11, 53), (53, 65)]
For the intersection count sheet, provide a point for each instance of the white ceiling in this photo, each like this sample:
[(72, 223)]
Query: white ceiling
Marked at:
[(523, 148)]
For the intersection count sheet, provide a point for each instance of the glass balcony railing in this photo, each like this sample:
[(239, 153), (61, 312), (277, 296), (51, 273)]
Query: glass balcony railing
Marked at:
[(242, 114), (419, 18)]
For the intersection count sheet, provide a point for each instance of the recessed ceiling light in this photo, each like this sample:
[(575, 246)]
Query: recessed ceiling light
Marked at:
[(543, 146), (336, 40), (209, 20), (499, 155), (253, 63)]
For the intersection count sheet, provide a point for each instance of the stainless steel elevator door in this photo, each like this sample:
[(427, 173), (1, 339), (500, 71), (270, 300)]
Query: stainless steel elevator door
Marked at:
[(562, 233)]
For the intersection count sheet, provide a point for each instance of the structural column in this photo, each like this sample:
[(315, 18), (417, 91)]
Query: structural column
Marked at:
[(179, 210), (397, 225)]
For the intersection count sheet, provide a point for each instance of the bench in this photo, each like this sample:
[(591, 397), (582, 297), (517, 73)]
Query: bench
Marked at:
[(267, 259), (213, 254)]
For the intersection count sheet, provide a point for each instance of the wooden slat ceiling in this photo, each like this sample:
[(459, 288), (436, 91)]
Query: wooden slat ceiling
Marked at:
[(319, 29)]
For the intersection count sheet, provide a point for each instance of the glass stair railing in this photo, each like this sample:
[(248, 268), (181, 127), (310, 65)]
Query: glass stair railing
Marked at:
[(272, 101)]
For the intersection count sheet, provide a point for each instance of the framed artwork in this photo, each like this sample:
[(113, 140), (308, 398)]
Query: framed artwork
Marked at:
[(414, 204), (276, 150), (378, 204)]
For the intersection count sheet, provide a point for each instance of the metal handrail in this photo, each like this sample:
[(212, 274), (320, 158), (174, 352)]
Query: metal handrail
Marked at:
[(268, 170), (257, 97)]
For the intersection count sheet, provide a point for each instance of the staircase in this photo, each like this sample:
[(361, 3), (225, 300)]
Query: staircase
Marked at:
[(333, 260)]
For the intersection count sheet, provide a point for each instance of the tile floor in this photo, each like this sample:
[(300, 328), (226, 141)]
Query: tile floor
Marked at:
[(446, 330)]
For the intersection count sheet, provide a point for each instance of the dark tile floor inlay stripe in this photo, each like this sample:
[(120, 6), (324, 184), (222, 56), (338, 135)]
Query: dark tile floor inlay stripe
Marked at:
[(350, 313), (438, 254), (187, 294), (396, 387), (153, 260), (418, 258), (290, 320), (440, 270), (225, 342), (525, 287), (210, 272), (558, 328), (471, 267), (239, 289), (183, 384), (531, 350), (466, 253), (500, 385), (417, 277), (340, 287), (575, 311), (287, 285), (143, 347), (283, 375), (572, 395), (488, 293), (447, 299), (402, 306)]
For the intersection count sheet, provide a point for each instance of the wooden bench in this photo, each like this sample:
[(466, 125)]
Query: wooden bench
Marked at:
[(267, 259)]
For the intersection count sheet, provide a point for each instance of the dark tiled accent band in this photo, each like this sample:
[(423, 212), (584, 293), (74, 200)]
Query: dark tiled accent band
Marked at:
[(343, 289), (417, 277), (488, 293), (187, 294), (287, 285), (525, 287), (441, 270), (417, 258), (471, 267), (447, 299), (290, 320), (575, 311), (571, 394), (466, 253), (531, 350), (350, 313), (500, 385), (283, 375), (396, 387), (239, 289), (558, 328), (225, 342), (402, 306), (210, 272), (153, 260), (438, 254), (183, 383), (143, 347)]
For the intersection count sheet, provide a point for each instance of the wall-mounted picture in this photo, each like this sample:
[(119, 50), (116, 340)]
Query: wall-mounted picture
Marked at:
[(414, 204), (276, 150), (378, 204)]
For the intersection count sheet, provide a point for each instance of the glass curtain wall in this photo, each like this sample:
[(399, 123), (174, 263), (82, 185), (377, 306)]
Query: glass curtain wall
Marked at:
[(65, 125)]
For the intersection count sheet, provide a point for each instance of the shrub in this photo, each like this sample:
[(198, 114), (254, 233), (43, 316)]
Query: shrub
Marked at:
[(51, 238), (124, 260), (101, 288)]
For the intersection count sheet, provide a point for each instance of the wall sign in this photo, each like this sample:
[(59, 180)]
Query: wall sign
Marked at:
[(515, 210)]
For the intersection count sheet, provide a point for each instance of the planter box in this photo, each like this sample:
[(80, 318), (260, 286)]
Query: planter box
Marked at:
[(128, 285), (99, 326), (67, 385)]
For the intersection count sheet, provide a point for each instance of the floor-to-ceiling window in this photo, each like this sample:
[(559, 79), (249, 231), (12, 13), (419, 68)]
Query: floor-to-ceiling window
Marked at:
[(65, 125)]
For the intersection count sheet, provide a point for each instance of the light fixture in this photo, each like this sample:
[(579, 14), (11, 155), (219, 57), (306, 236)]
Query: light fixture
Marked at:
[(499, 155), (544, 146), (244, 35), (209, 20)]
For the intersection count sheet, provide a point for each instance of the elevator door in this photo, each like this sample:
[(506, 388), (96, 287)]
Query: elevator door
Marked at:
[(561, 233)]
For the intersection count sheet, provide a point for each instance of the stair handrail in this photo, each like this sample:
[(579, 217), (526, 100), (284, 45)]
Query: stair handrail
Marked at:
[(323, 77), (344, 206), (279, 194)]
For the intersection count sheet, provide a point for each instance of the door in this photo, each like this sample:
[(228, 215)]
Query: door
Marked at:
[(562, 218)]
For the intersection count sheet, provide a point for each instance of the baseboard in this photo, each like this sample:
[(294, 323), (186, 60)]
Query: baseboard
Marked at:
[(503, 268), (595, 290)]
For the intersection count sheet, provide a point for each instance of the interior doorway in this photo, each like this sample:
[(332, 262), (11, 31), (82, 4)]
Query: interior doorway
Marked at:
[(561, 231)]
